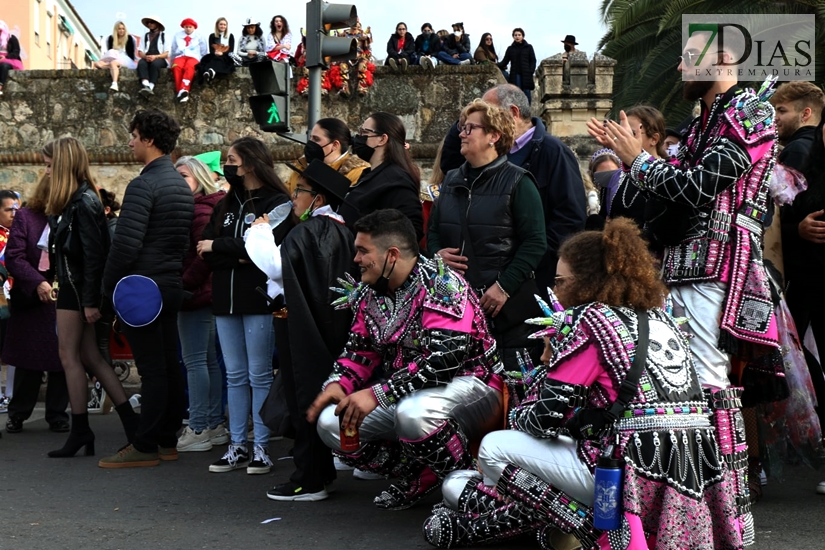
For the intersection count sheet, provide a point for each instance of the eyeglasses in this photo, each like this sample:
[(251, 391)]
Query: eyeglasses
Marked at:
[(302, 190), (365, 131), (401, 28), (489, 39), (688, 56), (469, 127)]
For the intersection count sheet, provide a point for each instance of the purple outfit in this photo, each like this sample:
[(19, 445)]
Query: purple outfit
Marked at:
[(31, 338)]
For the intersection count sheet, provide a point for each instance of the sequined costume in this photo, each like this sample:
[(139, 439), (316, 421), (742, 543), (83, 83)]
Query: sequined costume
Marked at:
[(721, 176), (536, 478), (425, 352)]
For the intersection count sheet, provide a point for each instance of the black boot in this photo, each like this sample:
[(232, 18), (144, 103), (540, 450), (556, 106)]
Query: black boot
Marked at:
[(80, 436), (444, 451), (505, 522), (129, 418)]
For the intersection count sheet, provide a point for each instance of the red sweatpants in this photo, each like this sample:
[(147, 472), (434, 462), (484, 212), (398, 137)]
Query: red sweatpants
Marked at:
[(183, 69)]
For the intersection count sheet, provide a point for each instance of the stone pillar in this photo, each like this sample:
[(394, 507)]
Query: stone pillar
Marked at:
[(569, 97)]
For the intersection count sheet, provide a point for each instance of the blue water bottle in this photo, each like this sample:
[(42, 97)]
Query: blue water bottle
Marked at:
[(607, 498)]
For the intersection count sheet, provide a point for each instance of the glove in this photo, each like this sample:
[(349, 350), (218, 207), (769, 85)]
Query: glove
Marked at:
[(589, 424)]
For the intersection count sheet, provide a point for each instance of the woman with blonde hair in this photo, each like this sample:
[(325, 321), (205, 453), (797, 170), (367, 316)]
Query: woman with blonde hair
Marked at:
[(79, 244), (120, 52), (196, 324), (217, 61), (488, 224)]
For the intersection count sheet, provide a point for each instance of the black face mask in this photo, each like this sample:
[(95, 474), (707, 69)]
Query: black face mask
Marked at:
[(230, 172), (567, 47), (360, 147), (314, 151), (382, 285)]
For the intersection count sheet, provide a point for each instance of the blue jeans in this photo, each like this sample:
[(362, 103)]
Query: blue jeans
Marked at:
[(528, 93), (197, 341), (248, 342), (450, 60)]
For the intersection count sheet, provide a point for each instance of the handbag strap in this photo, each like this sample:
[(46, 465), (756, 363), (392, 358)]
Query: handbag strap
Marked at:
[(631, 382)]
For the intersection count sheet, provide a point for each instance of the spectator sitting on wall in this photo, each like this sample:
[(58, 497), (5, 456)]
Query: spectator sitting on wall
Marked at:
[(456, 49), (153, 55), (120, 52), (427, 46), (401, 49)]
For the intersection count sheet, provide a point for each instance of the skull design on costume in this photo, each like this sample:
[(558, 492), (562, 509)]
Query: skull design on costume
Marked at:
[(667, 359)]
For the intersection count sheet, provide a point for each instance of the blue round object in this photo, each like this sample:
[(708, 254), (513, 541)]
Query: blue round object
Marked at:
[(137, 300)]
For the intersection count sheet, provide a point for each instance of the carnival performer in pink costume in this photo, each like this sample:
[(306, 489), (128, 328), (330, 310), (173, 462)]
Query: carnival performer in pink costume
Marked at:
[(538, 475), (714, 202), (417, 376)]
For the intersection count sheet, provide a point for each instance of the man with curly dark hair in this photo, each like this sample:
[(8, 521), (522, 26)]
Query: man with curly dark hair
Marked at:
[(151, 240)]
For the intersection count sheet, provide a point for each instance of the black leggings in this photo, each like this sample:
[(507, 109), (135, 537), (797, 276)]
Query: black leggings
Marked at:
[(5, 69)]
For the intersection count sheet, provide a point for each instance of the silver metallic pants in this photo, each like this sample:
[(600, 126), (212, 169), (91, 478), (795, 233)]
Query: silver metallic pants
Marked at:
[(474, 405), (702, 304), (554, 461)]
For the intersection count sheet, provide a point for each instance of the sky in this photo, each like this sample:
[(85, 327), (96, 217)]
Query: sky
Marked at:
[(545, 22)]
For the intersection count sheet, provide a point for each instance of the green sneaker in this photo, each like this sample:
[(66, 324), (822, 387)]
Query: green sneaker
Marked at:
[(129, 457), (167, 454)]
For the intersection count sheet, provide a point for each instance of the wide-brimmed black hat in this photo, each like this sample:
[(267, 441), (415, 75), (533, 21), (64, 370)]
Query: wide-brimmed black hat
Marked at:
[(570, 39), (333, 184)]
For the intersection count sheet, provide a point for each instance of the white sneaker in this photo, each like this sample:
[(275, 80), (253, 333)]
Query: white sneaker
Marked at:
[(4, 404), (369, 476), (113, 87), (340, 466), (218, 435), (465, 62), (426, 63), (145, 82), (192, 441), (261, 463), (135, 401), (821, 488)]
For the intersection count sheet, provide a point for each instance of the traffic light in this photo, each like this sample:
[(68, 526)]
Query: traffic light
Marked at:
[(323, 17), (270, 105)]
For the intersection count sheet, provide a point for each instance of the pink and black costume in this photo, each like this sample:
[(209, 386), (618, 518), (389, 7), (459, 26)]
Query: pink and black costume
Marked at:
[(425, 351), (534, 476)]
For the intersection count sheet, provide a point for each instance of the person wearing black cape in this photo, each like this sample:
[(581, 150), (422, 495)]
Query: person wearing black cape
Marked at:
[(309, 332)]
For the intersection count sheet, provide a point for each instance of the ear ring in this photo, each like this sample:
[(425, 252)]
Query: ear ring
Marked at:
[(491, 144)]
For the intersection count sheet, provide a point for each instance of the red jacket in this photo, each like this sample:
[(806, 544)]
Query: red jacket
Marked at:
[(197, 274)]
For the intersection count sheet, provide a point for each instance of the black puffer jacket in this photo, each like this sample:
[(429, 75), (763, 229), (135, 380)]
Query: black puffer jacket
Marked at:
[(152, 235), (522, 61), (79, 245), (233, 280), (453, 45)]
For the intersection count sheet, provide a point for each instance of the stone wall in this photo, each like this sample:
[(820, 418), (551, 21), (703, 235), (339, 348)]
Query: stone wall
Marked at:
[(38, 106)]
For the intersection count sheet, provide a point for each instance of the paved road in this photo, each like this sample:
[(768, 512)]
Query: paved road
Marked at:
[(72, 504)]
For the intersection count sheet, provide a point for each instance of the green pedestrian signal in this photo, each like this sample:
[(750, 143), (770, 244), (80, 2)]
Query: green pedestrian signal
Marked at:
[(270, 105)]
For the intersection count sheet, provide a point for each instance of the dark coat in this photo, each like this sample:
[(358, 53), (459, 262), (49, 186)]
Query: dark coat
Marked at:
[(217, 40), (130, 46), (197, 275), (234, 282), (522, 61), (385, 186), (80, 242), (804, 260), (13, 48), (152, 235), (434, 44), (31, 340), (453, 46), (392, 47), (314, 254)]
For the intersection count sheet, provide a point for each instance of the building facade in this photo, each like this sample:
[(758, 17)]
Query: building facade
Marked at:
[(52, 34)]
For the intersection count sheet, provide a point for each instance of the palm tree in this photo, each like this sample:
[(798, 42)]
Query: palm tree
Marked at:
[(645, 37)]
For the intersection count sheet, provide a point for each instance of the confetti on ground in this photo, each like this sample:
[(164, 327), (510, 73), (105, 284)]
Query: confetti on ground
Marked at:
[(270, 520)]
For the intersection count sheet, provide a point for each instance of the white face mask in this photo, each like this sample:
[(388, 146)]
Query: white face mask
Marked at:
[(673, 150), (457, 33)]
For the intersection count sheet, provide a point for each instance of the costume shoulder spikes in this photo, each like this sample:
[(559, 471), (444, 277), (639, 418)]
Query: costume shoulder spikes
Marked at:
[(556, 320), (446, 290), (751, 115), (352, 293)]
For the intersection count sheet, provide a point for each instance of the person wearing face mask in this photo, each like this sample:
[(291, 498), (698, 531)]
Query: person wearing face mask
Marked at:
[(242, 315), (521, 58), (418, 374), (314, 333), (329, 142), (456, 47), (427, 46), (392, 181)]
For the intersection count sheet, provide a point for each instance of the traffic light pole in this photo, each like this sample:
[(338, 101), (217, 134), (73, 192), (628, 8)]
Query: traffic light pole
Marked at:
[(314, 107)]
